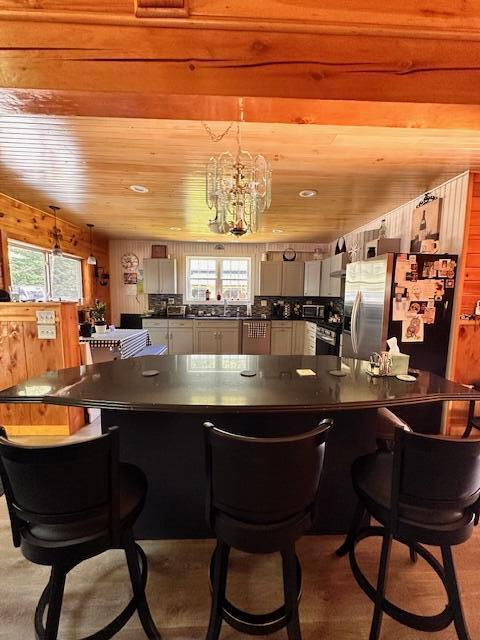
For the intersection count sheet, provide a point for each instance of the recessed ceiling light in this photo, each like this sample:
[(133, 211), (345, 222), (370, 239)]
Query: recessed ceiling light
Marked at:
[(308, 193), (175, 228), (138, 188), (277, 230)]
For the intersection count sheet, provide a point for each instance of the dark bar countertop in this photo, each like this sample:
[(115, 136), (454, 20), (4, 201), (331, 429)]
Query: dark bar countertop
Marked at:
[(213, 383)]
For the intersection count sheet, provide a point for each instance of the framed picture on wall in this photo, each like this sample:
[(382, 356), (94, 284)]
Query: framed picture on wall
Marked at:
[(425, 232)]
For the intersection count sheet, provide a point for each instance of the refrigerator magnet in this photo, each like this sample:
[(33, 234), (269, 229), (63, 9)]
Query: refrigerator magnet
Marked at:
[(412, 329), (449, 284)]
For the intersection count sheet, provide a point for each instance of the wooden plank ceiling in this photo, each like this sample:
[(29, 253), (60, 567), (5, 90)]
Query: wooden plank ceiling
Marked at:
[(86, 165)]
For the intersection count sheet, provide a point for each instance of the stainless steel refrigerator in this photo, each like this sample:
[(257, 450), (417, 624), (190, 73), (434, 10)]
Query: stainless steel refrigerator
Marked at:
[(409, 296)]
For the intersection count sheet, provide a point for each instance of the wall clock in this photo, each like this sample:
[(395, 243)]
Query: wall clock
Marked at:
[(129, 261)]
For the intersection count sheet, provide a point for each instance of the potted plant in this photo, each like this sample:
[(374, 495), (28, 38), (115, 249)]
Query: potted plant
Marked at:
[(98, 314)]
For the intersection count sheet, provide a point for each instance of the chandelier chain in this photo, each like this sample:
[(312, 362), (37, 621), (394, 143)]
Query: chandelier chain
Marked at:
[(216, 137)]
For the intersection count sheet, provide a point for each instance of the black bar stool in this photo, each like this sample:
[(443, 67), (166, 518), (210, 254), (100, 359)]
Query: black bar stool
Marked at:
[(261, 497), (472, 421), (69, 503), (385, 424), (426, 492)]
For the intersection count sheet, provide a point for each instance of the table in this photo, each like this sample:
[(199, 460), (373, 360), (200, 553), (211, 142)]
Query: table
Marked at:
[(161, 417), (118, 343)]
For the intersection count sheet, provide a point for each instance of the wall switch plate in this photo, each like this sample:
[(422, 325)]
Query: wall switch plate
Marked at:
[(45, 317), (46, 331), (263, 303)]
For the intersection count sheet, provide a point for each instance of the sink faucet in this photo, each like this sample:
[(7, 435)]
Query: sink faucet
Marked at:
[(225, 306)]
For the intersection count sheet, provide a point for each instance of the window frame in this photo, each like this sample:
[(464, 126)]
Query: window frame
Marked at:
[(48, 268), (218, 279)]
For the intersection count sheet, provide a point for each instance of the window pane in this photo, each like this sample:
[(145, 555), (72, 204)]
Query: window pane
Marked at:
[(65, 278), (28, 274), (198, 288), (235, 281)]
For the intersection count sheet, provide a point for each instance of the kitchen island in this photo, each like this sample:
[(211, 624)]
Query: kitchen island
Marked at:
[(160, 419)]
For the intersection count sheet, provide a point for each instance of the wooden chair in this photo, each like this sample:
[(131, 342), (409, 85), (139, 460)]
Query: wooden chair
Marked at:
[(72, 502), (261, 497), (426, 492)]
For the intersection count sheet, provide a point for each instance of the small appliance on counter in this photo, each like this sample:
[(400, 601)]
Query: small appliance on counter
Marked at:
[(277, 310), (176, 310), (314, 311)]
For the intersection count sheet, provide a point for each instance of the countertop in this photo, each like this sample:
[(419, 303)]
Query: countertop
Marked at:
[(334, 326), (209, 384)]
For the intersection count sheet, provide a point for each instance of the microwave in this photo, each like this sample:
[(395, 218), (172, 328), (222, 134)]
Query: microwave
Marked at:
[(314, 311)]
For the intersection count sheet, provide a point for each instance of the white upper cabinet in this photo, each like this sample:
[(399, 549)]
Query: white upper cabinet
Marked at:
[(159, 275), (313, 277)]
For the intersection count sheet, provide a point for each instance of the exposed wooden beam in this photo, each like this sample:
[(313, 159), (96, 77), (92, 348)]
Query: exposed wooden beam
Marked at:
[(326, 65), (225, 108)]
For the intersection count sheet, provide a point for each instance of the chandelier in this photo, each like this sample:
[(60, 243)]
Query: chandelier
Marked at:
[(238, 187)]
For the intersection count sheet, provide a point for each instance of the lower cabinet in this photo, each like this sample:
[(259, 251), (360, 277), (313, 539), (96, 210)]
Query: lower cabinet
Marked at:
[(180, 341), (221, 337), (298, 338), (281, 340)]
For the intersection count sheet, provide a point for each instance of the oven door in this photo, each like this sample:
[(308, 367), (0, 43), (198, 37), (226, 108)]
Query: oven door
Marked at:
[(326, 345)]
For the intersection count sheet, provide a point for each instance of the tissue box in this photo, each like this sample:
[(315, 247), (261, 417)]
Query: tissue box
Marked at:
[(400, 363)]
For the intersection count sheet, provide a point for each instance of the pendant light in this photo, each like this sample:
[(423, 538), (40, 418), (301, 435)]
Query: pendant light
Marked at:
[(56, 234), (91, 258)]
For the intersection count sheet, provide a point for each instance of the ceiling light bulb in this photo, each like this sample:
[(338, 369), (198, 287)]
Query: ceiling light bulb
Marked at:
[(138, 188), (308, 193)]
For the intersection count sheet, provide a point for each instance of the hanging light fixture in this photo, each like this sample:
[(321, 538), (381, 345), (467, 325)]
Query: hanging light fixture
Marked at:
[(56, 233), (238, 187), (91, 258)]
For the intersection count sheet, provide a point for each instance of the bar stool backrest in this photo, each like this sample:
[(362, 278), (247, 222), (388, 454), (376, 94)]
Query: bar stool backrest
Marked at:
[(435, 472), (61, 484), (263, 480)]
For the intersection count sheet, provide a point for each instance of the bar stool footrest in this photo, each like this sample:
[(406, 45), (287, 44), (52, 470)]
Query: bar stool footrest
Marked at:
[(431, 623), (256, 624)]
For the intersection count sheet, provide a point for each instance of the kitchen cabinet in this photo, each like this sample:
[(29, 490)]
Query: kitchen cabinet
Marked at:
[(177, 335), (159, 275), (180, 336), (220, 337), (279, 278), (332, 282), (293, 278), (298, 338), (281, 340), (271, 278), (310, 336), (157, 330), (313, 278)]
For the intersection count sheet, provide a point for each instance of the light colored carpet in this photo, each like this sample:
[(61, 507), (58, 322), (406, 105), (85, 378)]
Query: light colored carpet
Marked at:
[(332, 606)]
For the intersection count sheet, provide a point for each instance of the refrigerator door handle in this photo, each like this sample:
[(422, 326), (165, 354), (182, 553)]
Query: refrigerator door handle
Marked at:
[(354, 327)]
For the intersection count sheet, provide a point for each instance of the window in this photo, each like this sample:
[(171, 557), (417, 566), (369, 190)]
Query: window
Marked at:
[(38, 275), (229, 276)]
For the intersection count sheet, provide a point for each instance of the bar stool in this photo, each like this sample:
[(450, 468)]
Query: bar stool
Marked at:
[(261, 498), (472, 421), (385, 424), (69, 503), (426, 492)]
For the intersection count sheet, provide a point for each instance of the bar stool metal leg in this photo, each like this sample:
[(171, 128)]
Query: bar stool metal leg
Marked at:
[(349, 543), (56, 589), (381, 586)]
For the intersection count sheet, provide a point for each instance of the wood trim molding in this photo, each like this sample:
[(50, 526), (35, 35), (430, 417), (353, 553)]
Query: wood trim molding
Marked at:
[(4, 264), (161, 9)]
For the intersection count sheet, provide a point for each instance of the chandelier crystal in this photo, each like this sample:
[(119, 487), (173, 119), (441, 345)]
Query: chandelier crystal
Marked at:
[(238, 189)]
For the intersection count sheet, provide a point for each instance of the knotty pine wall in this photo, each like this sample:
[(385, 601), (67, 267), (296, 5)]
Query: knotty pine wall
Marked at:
[(20, 221), (123, 303)]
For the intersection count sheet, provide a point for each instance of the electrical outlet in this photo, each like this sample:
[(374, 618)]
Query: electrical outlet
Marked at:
[(263, 303), (46, 331), (45, 317)]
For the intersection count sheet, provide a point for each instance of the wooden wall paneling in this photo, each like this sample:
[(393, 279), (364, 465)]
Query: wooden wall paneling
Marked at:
[(13, 369), (26, 223), (4, 265)]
